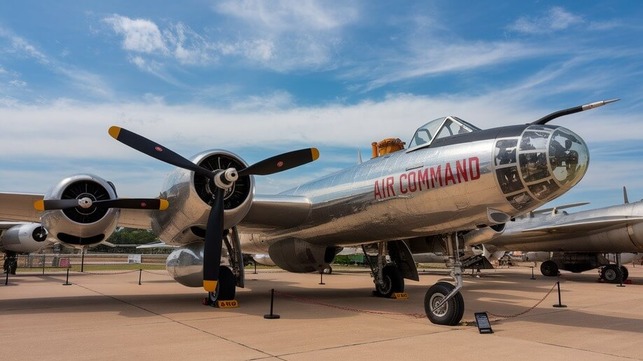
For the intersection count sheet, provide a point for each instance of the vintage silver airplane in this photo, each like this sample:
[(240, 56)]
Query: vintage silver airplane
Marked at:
[(576, 242), (453, 178)]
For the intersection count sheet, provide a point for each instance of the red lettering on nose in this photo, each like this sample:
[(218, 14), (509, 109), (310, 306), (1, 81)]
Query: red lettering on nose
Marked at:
[(403, 178), (390, 191)]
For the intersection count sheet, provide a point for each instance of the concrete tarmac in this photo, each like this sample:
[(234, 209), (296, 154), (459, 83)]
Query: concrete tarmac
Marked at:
[(109, 316)]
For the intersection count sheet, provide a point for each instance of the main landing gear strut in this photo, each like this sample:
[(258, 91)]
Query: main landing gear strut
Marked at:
[(387, 276), (443, 302)]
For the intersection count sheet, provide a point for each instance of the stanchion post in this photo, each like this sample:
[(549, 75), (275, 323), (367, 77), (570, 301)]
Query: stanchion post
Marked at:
[(67, 279), (559, 300), (43, 264), (532, 273), (271, 316), (140, 272), (6, 280), (321, 277)]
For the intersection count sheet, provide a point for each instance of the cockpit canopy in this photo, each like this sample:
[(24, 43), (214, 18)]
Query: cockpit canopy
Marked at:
[(440, 128)]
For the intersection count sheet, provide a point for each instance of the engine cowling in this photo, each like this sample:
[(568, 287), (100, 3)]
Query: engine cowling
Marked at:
[(263, 259), (299, 256), (24, 238), (185, 265), (78, 226), (483, 235), (190, 197)]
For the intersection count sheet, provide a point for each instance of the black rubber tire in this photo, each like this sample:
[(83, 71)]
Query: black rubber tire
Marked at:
[(393, 282), (226, 287), (549, 268), (450, 314), (611, 273), (625, 272)]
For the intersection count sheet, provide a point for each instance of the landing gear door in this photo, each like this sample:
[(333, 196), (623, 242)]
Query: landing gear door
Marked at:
[(401, 255)]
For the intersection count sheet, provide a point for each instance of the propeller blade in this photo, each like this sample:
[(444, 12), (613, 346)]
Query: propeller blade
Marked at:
[(130, 203), (51, 204), (155, 150), (134, 203), (213, 243), (281, 162)]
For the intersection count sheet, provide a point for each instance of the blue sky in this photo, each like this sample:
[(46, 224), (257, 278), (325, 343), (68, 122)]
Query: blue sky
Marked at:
[(263, 77)]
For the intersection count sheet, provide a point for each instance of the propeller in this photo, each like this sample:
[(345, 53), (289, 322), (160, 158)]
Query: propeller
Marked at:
[(223, 179), (87, 202)]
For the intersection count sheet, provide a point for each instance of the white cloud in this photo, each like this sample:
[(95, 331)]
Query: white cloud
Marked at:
[(422, 59), (18, 83), (139, 35), (280, 35), (22, 47), (289, 15), (556, 19), (69, 137), (87, 82)]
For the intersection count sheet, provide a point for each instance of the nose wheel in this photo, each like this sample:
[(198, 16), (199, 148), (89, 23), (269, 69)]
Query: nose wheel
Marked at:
[(443, 312), (443, 302)]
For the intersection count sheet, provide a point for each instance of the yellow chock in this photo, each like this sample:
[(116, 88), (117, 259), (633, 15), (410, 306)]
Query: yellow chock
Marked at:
[(400, 296), (228, 304)]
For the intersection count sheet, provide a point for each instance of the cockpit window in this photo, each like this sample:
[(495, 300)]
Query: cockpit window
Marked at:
[(440, 128)]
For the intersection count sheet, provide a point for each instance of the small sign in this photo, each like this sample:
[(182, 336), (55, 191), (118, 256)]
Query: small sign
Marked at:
[(482, 320), (228, 304), (64, 263), (401, 296)]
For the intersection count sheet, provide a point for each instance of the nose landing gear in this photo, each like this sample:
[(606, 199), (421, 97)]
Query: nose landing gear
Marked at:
[(443, 302)]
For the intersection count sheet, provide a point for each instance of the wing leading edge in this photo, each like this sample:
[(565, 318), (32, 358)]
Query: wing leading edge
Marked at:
[(19, 207), (275, 212), (586, 225)]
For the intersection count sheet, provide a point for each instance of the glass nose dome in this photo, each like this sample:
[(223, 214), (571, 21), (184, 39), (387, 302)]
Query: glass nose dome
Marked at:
[(568, 156), (540, 165)]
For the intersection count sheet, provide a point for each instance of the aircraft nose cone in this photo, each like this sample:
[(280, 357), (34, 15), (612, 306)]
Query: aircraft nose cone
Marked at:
[(550, 161), (568, 157)]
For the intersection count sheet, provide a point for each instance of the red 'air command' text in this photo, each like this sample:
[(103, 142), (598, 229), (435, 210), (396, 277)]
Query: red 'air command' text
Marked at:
[(426, 178)]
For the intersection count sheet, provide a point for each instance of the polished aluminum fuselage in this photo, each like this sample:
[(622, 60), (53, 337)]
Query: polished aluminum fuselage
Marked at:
[(385, 198), (419, 192), (612, 229)]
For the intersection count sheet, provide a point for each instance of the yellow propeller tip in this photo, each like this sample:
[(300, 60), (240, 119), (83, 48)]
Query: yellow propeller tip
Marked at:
[(39, 205), (210, 286), (114, 131), (315, 153), (164, 204)]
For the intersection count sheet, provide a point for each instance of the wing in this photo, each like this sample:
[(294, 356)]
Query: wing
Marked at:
[(275, 212), (135, 218), (19, 207), (585, 226), (6, 225)]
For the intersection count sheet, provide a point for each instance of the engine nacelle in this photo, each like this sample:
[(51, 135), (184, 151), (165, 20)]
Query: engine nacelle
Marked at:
[(185, 265), (536, 256), (24, 238), (299, 256), (190, 196), (483, 235), (81, 226), (263, 259)]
